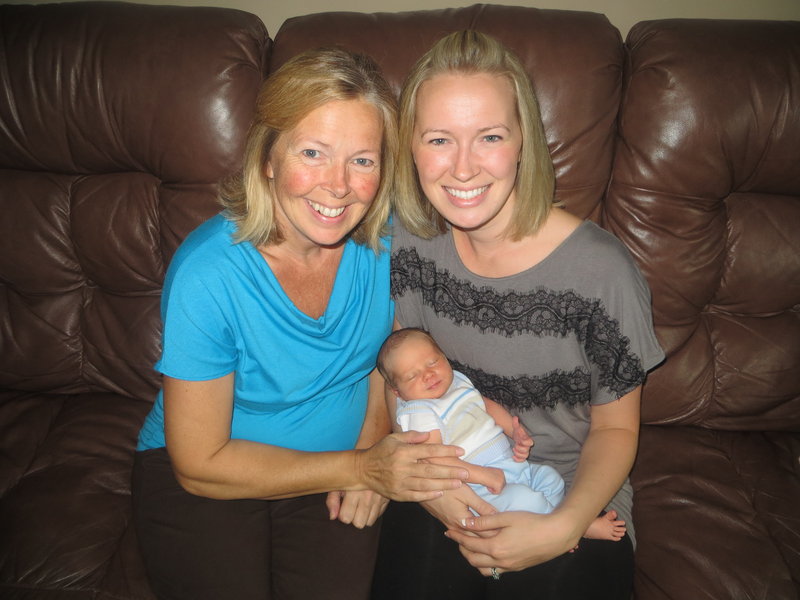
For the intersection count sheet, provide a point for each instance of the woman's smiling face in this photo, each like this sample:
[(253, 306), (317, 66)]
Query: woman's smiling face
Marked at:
[(466, 146), (326, 172)]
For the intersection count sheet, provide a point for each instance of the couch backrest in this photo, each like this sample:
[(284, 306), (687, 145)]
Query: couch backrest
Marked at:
[(705, 181), (575, 60), (706, 193), (116, 122)]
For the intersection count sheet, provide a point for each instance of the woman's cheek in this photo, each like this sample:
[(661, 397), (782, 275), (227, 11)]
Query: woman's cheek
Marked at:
[(367, 187), (432, 165), (300, 181)]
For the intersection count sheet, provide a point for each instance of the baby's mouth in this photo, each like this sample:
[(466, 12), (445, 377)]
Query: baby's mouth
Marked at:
[(435, 384)]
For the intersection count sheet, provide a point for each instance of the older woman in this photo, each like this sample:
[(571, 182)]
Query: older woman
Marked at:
[(246, 483), (545, 313)]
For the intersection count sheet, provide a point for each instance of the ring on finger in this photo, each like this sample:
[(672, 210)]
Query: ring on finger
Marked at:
[(495, 574)]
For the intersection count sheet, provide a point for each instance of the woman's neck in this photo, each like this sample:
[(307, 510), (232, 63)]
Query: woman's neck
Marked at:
[(493, 254), (307, 278)]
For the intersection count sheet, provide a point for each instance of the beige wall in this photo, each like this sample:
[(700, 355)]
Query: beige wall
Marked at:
[(622, 13)]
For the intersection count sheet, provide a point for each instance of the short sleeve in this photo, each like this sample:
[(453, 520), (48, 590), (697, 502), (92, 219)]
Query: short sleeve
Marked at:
[(620, 340), (198, 341)]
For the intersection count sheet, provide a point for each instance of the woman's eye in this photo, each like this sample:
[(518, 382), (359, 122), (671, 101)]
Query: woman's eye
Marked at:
[(309, 153), (364, 162), (437, 141), (493, 138)]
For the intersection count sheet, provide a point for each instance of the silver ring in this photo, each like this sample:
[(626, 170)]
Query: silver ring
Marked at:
[(495, 574)]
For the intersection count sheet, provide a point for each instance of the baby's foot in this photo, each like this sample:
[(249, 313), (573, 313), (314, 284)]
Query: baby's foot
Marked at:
[(606, 527)]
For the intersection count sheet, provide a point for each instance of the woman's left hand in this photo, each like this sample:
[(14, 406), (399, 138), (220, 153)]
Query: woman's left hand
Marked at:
[(360, 508), (512, 541)]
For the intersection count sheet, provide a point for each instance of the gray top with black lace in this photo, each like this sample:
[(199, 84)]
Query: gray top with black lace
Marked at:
[(573, 331)]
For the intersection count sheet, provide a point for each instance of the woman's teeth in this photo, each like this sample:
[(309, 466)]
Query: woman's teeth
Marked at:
[(466, 194), (325, 211)]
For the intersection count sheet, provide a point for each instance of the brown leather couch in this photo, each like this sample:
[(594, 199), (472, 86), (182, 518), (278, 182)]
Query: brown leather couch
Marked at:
[(117, 120)]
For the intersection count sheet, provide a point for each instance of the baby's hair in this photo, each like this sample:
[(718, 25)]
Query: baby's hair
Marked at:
[(393, 341)]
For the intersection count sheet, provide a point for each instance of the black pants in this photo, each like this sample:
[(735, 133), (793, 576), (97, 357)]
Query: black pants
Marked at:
[(197, 548), (416, 560)]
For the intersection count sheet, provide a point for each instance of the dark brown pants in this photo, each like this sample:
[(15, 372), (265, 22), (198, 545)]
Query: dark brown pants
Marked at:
[(198, 548)]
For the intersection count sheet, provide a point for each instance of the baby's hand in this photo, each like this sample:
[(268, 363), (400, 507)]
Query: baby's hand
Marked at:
[(522, 441), (496, 481)]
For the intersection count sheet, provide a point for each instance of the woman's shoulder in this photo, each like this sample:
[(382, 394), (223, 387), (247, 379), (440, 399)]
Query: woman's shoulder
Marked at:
[(599, 246), (400, 235), (403, 240), (598, 264), (206, 255), (205, 244)]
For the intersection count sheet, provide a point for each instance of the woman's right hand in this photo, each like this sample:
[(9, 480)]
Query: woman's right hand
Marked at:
[(396, 468), (453, 508)]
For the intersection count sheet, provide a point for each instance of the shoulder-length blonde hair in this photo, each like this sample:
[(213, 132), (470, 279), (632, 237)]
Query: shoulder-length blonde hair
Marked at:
[(301, 85), (470, 53)]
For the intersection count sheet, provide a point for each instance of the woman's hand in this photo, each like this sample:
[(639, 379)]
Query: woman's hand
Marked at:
[(395, 468), (453, 508), (360, 509), (512, 541)]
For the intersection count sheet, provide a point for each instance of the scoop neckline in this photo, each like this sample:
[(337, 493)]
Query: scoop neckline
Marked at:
[(557, 250)]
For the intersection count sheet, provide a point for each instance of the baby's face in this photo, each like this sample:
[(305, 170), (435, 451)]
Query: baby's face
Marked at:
[(419, 369)]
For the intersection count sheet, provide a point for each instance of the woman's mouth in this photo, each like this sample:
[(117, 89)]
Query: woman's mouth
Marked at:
[(466, 194), (325, 211)]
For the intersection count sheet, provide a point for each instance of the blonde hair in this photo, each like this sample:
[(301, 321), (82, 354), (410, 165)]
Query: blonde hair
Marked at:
[(471, 53), (301, 85)]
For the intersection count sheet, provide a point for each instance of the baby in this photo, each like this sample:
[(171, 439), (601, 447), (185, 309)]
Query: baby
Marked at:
[(432, 397)]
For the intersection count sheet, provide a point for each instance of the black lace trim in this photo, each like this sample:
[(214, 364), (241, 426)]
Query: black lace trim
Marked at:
[(540, 312), (545, 391)]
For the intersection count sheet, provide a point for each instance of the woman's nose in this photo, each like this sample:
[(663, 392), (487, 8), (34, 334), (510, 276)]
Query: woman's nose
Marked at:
[(465, 167), (337, 182)]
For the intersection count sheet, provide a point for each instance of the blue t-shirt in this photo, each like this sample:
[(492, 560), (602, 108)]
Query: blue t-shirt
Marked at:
[(300, 382)]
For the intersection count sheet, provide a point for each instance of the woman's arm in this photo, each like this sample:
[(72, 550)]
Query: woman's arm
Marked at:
[(362, 508), (376, 420), (606, 459), (519, 540), (207, 462)]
